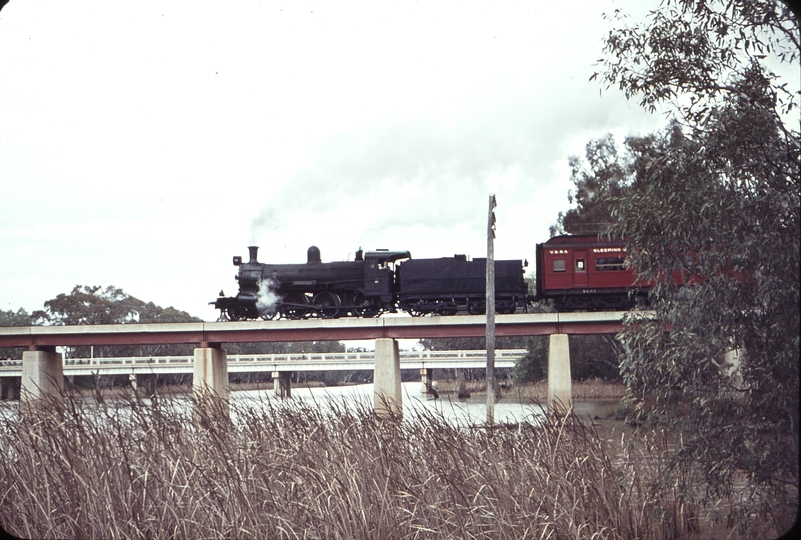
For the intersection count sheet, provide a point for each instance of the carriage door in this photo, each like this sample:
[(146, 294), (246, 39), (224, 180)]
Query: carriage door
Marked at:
[(580, 268)]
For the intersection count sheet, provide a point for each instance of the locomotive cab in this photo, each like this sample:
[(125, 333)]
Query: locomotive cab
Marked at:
[(379, 273)]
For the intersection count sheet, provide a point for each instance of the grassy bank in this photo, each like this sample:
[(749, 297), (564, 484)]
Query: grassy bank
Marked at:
[(582, 390), (292, 469)]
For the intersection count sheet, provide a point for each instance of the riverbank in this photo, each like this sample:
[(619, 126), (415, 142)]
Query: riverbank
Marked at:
[(538, 391)]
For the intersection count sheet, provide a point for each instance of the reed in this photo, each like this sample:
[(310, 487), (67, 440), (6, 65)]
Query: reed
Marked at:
[(293, 469)]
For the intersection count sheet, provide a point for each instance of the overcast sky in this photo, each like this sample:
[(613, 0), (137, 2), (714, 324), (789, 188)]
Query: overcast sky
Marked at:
[(144, 144)]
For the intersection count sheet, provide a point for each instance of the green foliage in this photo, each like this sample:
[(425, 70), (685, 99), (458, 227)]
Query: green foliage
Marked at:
[(20, 318), (604, 173), (715, 207), (9, 318), (534, 366), (704, 197), (285, 347), (592, 214), (95, 305), (591, 357), (690, 51), (594, 357)]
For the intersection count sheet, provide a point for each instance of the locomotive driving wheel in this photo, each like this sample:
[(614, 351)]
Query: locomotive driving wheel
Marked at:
[(362, 308), (327, 304), (295, 306)]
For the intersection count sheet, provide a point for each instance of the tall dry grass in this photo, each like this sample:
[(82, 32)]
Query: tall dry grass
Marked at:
[(293, 469)]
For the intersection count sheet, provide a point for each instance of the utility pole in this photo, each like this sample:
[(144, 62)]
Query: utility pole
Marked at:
[(490, 312)]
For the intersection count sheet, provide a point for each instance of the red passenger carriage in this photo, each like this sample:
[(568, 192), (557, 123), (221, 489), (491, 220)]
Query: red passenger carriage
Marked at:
[(581, 272)]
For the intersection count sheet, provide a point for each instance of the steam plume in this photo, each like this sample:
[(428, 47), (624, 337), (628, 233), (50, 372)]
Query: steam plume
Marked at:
[(268, 299)]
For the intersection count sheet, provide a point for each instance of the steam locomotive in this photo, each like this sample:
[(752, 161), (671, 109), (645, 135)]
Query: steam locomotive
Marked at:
[(375, 282), (574, 272)]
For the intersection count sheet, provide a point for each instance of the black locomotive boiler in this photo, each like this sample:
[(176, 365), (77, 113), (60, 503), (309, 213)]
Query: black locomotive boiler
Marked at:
[(375, 282), (363, 287)]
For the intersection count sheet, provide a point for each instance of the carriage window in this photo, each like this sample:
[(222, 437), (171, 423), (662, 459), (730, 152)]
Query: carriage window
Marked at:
[(558, 265), (609, 263), (580, 265)]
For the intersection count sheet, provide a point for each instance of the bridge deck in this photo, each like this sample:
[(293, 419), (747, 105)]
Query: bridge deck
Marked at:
[(528, 324)]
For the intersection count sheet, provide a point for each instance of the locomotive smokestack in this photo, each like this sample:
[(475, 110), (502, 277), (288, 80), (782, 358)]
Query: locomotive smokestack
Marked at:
[(253, 252)]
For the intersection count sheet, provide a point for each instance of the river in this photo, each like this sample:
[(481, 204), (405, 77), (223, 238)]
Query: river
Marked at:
[(473, 410), (470, 411)]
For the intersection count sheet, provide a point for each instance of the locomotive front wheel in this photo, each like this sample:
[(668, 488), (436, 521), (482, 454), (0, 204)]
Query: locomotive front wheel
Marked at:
[(327, 304), (233, 313)]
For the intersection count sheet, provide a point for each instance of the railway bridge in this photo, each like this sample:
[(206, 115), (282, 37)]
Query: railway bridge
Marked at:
[(43, 368)]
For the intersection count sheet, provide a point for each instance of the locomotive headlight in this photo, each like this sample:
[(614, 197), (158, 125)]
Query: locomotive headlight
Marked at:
[(237, 260)]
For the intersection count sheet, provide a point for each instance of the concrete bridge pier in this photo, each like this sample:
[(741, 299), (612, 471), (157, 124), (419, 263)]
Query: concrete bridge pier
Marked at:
[(144, 383), (387, 398), (9, 388), (282, 384), (427, 379), (210, 378), (42, 377), (461, 391), (560, 385)]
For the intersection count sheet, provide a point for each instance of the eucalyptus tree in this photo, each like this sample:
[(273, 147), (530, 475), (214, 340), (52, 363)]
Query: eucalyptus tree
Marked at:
[(110, 305), (712, 218)]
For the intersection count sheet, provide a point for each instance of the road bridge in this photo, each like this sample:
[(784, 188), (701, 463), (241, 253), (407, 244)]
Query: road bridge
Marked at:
[(281, 366), (42, 366), (252, 363)]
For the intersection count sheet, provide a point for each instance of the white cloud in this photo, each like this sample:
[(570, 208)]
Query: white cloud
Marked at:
[(145, 144)]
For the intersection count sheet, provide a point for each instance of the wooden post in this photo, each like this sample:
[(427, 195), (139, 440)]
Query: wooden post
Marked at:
[(490, 311)]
